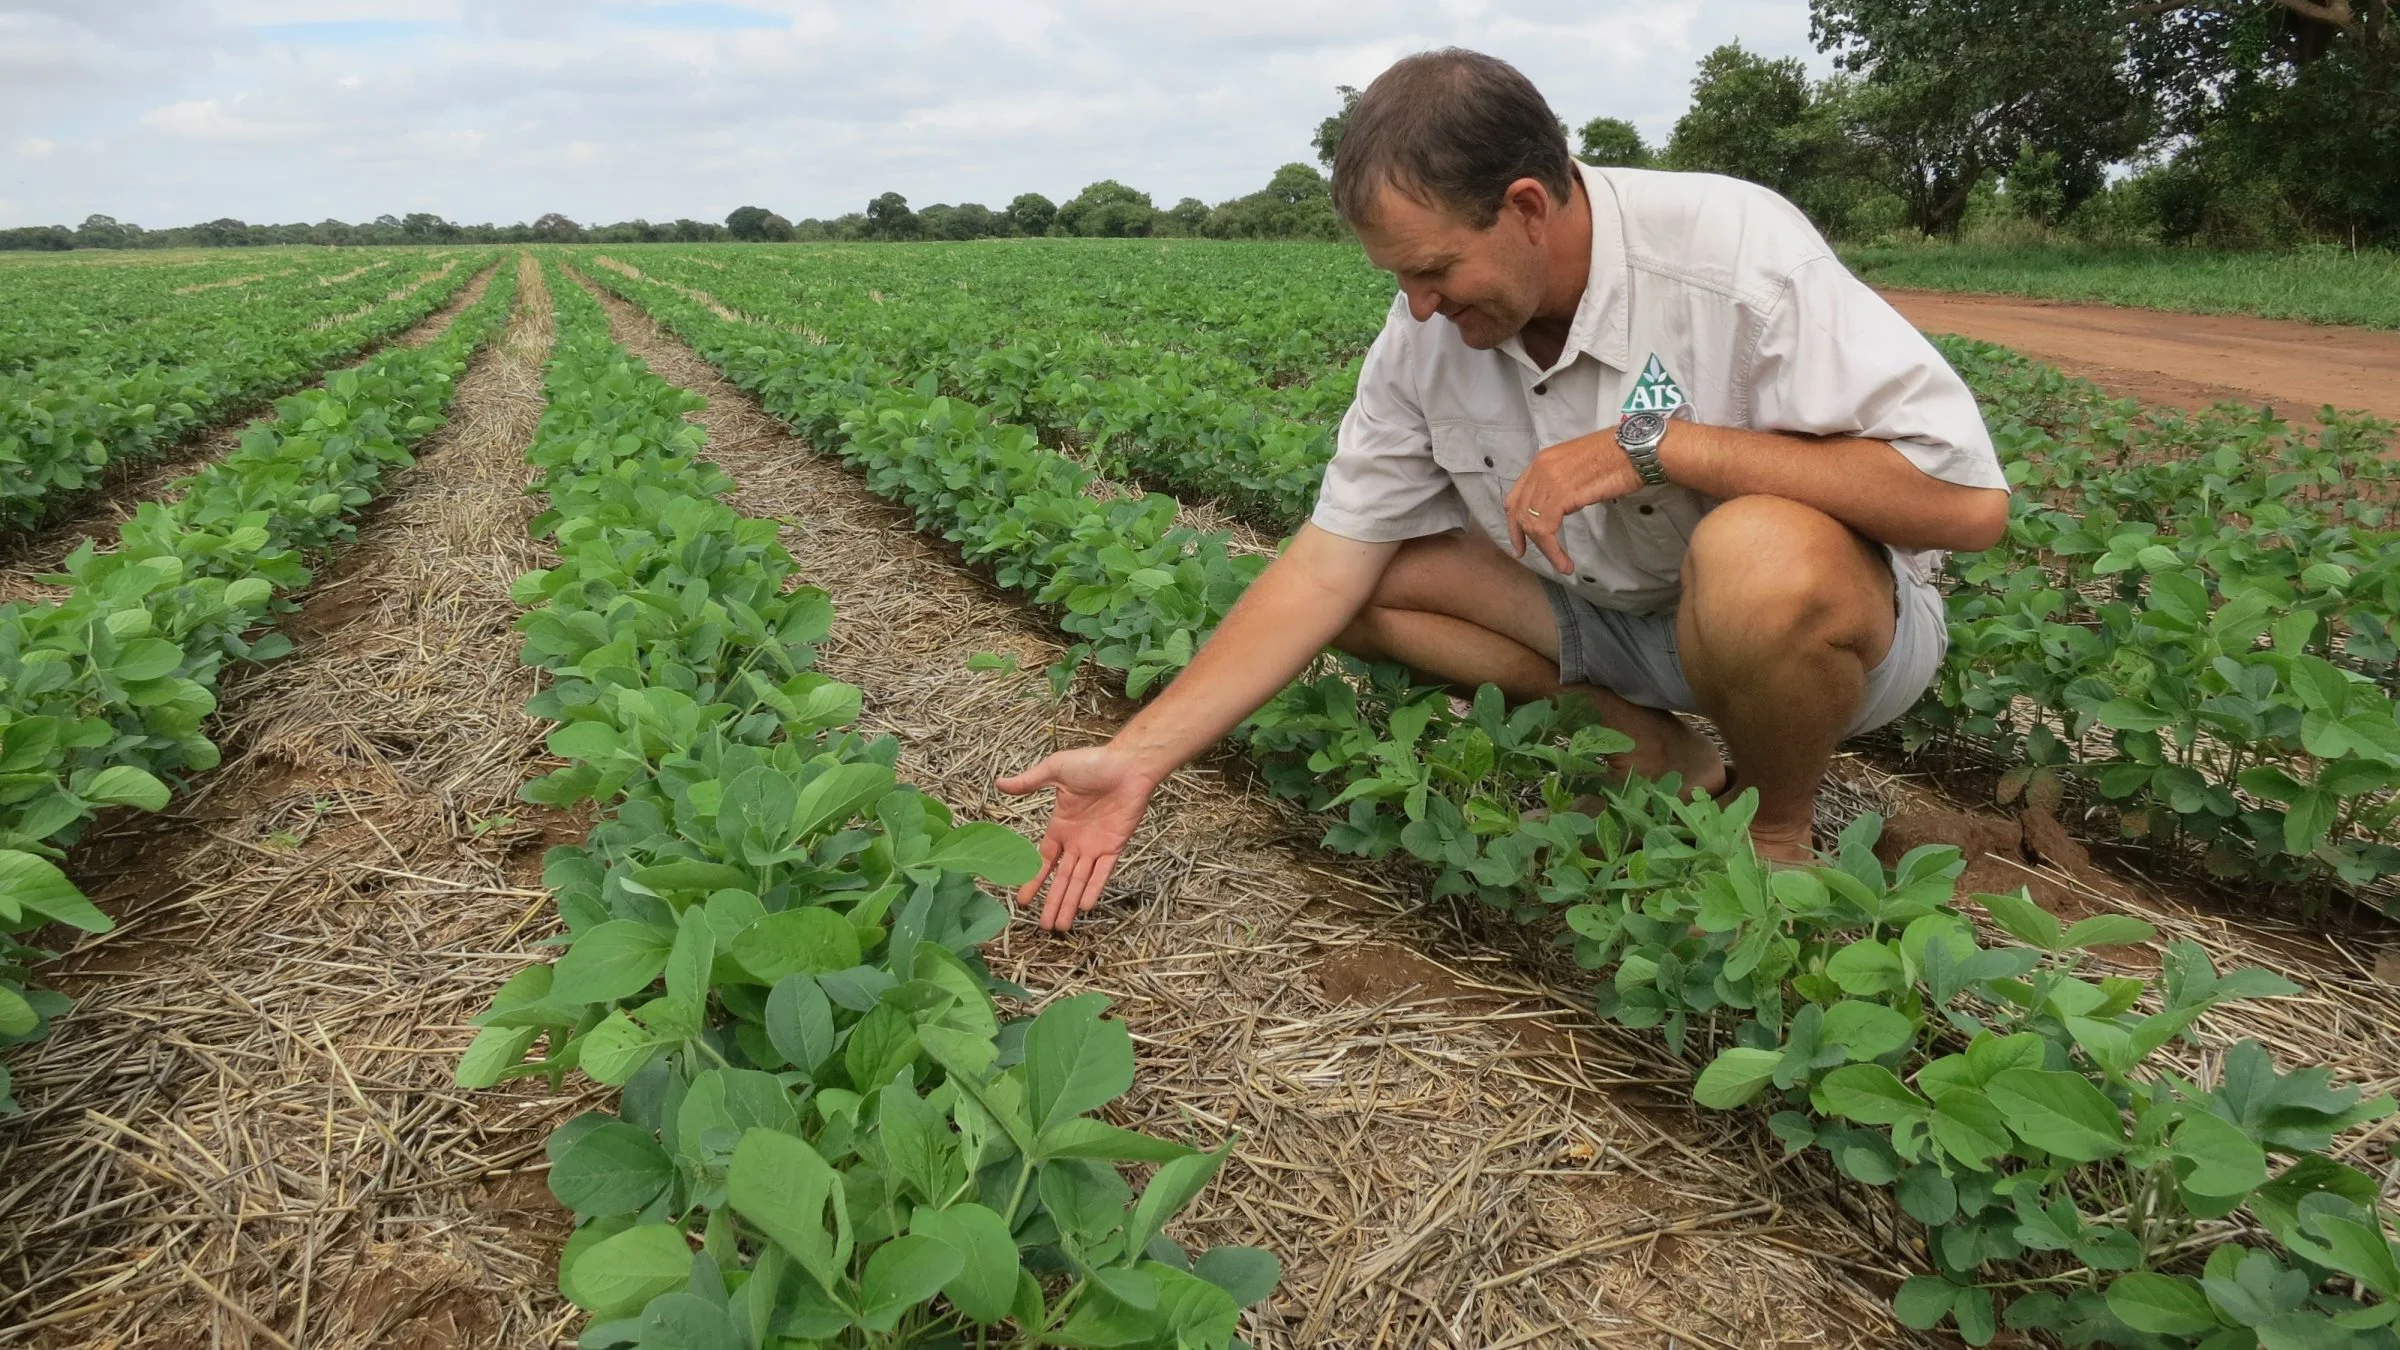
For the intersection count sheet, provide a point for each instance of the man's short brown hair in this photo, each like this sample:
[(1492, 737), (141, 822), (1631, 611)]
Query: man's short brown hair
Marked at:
[(1450, 129)]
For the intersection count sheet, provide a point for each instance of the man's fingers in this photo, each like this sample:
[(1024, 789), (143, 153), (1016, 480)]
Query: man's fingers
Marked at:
[(1050, 849), (1032, 780), (1556, 554), (1093, 888), (1059, 914)]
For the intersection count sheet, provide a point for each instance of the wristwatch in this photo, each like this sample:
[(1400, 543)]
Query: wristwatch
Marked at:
[(1638, 435)]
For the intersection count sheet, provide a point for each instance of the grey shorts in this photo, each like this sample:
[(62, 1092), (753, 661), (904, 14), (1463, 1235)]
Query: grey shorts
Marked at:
[(1635, 657)]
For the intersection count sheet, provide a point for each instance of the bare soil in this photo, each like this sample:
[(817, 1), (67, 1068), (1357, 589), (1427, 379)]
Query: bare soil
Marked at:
[(2181, 360)]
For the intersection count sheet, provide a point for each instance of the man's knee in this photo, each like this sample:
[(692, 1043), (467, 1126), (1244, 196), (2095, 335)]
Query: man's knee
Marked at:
[(1771, 572)]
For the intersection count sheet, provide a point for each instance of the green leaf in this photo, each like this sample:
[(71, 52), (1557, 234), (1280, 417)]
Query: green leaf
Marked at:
[(2025, 921), (800, 1022), (18, 1017), (493, 1052), (836, 795), (1247, 1273), (2359, 1250), (2060, 1113), (610, 961), (1866, 1030), (1923, 1301), (993, 852), (986, 1283), (615, 1168), (1075, 1061), (1735, 1076), (1173, 1186), (787, 1189), (2107, 930), (35, 885), (2225, 1161), (2163, 1305), (903, 1273), (146, 659), (618, 1048), (124, 785), (620, 1274), (1969, 1128), (1870, 1095), (1084, 1137), (809, 940)]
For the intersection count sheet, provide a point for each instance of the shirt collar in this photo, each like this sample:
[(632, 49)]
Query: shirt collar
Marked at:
[(1601, 329)]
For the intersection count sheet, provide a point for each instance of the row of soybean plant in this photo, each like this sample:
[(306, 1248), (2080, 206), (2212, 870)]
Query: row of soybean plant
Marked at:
[(99, 392), (104, 691), (2190, 618), (827, 1134), (2073, 1169)]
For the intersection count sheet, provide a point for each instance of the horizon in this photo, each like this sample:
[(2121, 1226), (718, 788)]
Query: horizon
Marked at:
[(282, 111)]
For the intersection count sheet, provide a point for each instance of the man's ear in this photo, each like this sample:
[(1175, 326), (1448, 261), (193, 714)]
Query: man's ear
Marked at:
[(1533, 206)]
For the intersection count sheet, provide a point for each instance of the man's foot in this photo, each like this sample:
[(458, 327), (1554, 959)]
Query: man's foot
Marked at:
[(1683, 752), (1774, 843)]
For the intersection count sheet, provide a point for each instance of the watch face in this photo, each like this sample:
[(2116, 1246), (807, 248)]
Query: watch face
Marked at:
[(1641, 427)]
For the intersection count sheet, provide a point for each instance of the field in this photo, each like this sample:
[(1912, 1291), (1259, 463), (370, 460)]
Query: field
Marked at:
[(501, 852), (2330, 286)]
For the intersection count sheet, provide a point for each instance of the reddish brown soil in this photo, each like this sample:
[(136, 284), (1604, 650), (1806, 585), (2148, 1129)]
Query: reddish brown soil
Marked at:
[(2180, 360)]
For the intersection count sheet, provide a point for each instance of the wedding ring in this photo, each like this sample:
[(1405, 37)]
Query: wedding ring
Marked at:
[(1529, 511)]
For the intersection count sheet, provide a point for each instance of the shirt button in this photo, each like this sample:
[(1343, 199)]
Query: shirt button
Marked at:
[(1487, 461), (1542, 388), (1647, 508), (1590, 581)]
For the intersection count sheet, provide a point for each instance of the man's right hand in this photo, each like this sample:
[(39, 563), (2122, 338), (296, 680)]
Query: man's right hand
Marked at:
[(1297, 605), (1101, 797)]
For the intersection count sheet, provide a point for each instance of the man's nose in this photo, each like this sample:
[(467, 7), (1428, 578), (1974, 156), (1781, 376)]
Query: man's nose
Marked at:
[(1423, 301)]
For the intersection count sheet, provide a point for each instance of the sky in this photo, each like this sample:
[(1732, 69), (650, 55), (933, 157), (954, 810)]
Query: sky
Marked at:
[(295, 110)]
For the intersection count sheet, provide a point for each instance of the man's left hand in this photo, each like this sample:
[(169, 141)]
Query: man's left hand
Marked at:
[(1560, 481)]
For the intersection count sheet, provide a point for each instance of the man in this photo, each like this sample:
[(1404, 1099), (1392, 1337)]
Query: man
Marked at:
[(1627, 436)]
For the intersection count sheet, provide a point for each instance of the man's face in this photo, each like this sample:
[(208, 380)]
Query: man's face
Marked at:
[(1488, 282)]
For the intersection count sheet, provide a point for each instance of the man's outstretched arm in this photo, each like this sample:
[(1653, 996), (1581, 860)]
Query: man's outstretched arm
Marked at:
[(1297, 605)]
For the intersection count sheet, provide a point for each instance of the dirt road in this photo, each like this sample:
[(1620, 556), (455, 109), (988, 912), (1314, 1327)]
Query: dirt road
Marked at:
[(2181, 360)]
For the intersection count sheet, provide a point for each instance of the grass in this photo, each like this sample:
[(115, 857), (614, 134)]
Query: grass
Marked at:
[(2320, 285)]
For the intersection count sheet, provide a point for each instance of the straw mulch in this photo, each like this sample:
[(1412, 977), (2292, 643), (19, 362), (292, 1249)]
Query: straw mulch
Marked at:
[(246, 1134), (95, 511), (1440, 1148)]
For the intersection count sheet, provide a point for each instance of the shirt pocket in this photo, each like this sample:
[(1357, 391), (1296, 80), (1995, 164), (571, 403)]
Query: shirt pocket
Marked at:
[(1483, 463)]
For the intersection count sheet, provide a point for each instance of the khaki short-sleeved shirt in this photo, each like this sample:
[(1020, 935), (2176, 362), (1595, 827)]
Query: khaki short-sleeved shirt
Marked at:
[(1746, 311)]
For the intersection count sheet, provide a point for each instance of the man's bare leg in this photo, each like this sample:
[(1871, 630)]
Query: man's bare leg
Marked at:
[(1785, 610), (1456, 609)]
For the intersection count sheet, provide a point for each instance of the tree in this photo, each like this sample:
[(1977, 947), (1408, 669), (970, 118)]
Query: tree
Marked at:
[(1031, 213), (1297, 203), (98, 231), (757, 224), (1612, 141), (1108, 209), (554, 228), (1950, 91), (1329, 132), (1186, 216), (967, 220), (889, 219), (1764, 121), (424, 227), (2288, 109)]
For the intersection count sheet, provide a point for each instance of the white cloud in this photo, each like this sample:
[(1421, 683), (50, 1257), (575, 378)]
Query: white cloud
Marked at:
[(34, 147), (607, 109)]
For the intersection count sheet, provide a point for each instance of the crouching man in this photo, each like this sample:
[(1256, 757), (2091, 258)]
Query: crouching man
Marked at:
[(1627, 436)]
